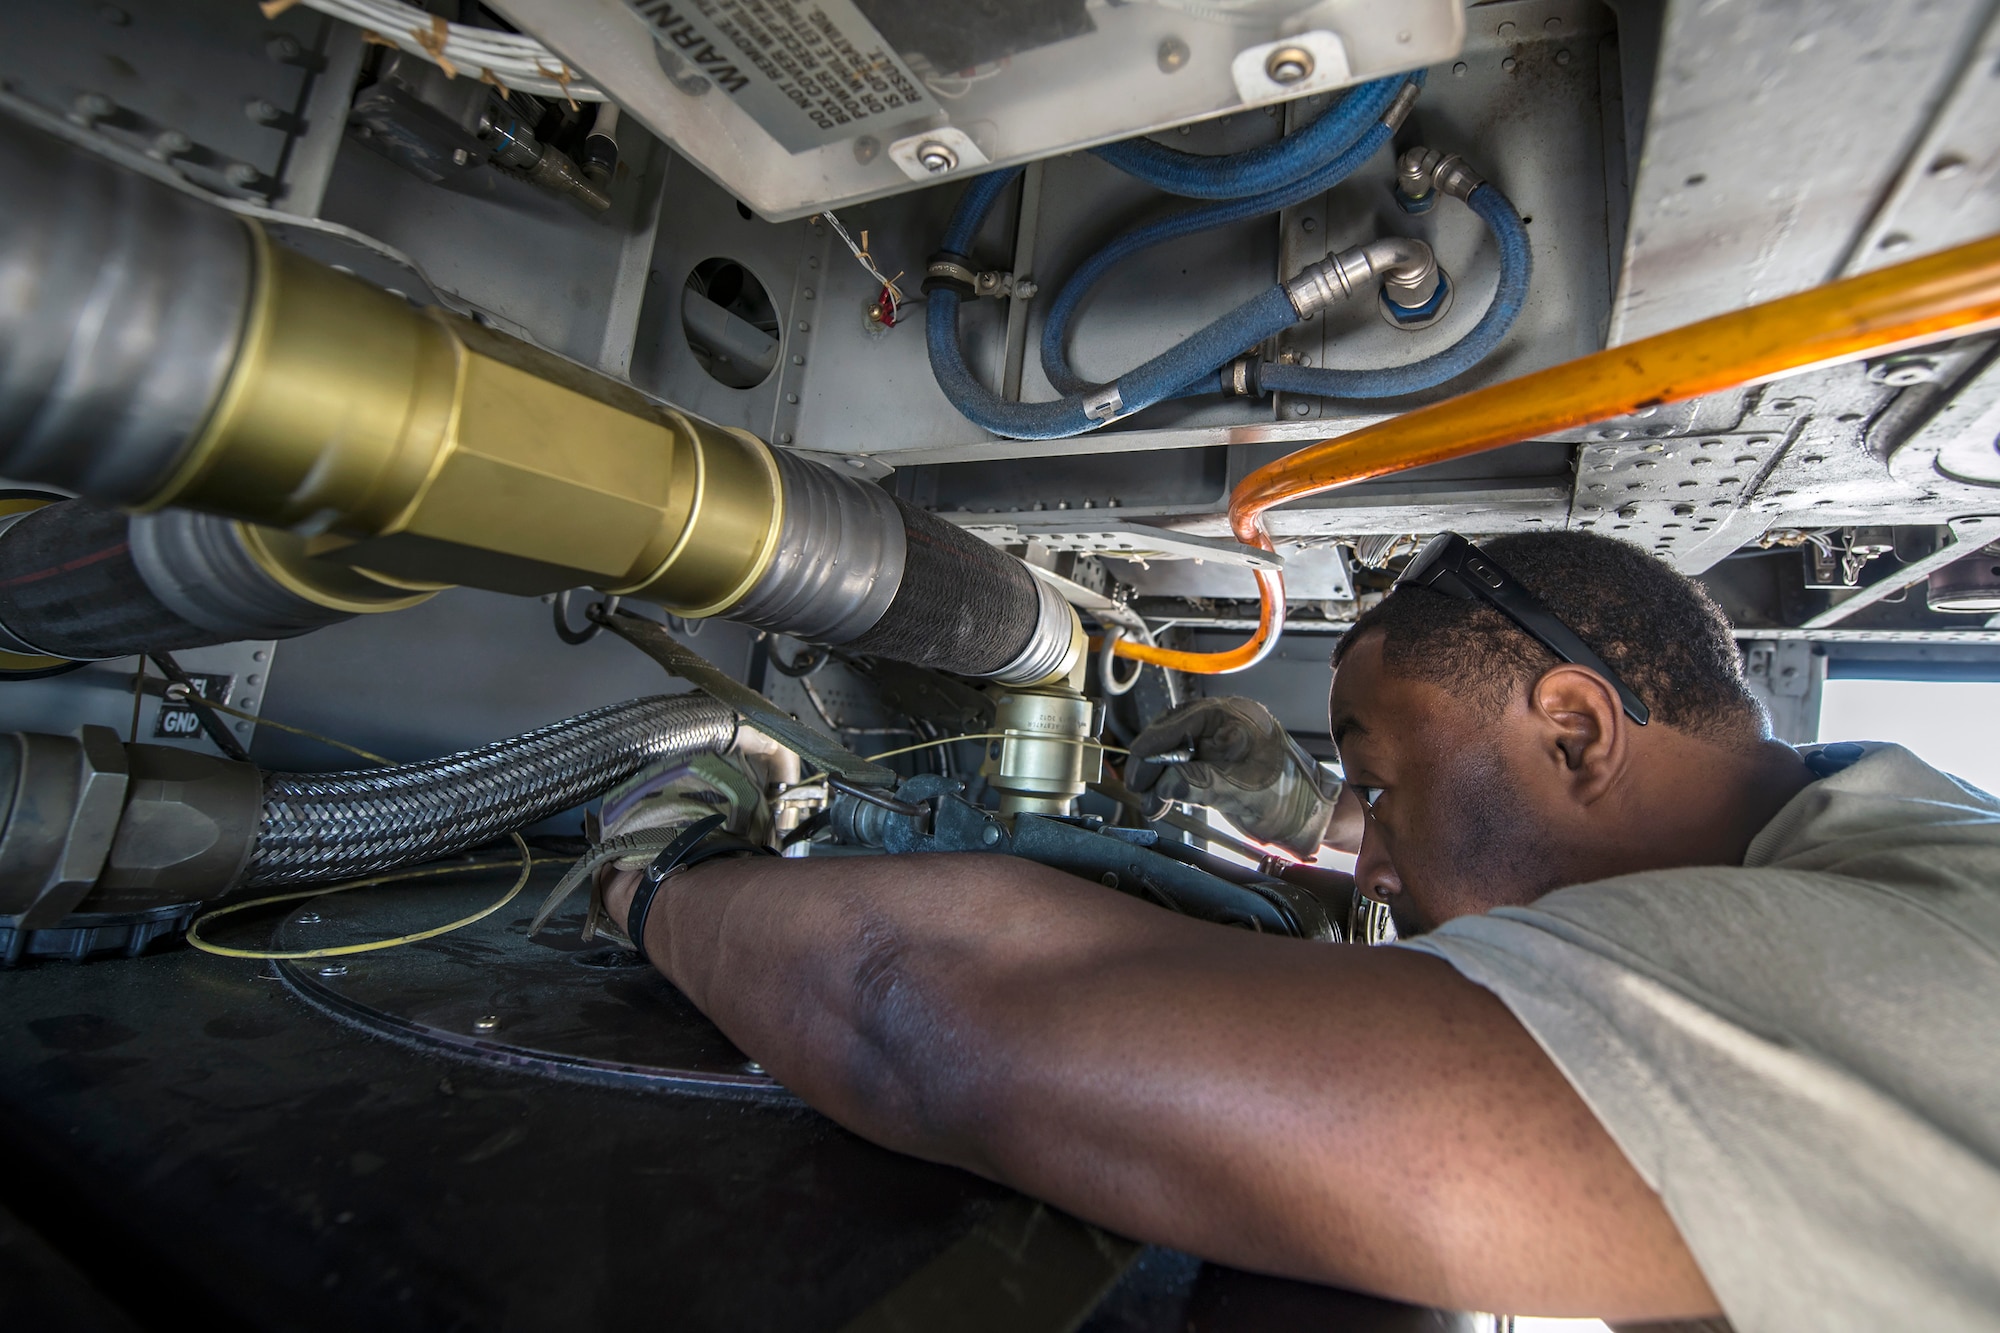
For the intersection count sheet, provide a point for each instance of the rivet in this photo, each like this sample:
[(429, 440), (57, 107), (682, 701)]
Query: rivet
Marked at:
[(486, 1023), (334, 970)]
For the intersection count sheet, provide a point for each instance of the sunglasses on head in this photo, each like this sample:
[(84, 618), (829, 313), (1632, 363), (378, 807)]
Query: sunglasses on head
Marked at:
[(1455, 567)]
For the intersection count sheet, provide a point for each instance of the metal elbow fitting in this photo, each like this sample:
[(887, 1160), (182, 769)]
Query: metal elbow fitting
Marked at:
[(1424, 173), (1413, 286)]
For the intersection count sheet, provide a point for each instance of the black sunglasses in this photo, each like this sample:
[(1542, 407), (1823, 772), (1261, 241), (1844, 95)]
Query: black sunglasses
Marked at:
[(1454, 566)]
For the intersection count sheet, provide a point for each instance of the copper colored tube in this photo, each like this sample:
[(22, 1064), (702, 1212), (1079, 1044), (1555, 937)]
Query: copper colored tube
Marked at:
[(1950, 294)]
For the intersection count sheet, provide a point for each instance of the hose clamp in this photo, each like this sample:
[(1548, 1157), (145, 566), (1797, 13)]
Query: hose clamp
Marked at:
[(1242, 376), (1048, 648), (1105, 404), (949, 271)]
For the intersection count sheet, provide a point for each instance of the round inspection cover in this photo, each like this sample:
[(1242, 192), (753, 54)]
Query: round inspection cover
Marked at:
[(551, 1005)]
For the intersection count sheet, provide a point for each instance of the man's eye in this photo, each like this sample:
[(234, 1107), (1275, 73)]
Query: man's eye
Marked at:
[(1368, 795)]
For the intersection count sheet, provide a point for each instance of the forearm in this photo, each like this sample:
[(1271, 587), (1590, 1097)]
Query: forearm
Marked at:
[(884, 999), (1343, 1114)]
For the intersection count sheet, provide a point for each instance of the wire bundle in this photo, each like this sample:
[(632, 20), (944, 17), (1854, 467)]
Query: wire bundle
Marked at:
[(508, 59)]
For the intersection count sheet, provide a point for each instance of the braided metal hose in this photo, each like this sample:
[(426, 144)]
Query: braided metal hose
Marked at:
[(326, 826)]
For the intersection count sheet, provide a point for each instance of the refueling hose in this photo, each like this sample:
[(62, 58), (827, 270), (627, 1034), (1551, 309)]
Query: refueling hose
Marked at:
[(318, 827), (1950, 294)]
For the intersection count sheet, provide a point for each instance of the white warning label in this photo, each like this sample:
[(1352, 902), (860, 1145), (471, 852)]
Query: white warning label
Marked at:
[(811, 72)]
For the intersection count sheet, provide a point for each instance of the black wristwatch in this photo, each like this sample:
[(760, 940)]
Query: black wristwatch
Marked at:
[(703, 840)]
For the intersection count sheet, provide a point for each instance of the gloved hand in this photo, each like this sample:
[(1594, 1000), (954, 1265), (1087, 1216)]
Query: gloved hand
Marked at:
[(647, 811), (1241, 763)]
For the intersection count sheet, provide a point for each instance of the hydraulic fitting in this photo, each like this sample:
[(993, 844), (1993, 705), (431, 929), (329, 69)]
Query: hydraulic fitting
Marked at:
[(1045, 758), (516, 148), (1424, 173), (1411, 279)]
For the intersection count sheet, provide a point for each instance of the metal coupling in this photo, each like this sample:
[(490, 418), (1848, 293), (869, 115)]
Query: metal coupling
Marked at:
[(1416, 191), (1399, 110), (1424, 173), (1406, 266), (1455, 178), (838, 560), (1055, 652), (1239, 377), (1046, 755), (517, 149)]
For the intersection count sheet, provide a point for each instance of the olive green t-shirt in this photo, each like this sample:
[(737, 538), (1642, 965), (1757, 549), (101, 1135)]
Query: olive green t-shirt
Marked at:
[(1801, 1053)]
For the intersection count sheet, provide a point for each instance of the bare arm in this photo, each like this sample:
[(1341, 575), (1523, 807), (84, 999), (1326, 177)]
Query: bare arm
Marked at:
[(1364, 1117)]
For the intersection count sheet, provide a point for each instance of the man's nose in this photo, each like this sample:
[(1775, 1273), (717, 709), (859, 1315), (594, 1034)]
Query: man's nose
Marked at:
[(1374, 873)]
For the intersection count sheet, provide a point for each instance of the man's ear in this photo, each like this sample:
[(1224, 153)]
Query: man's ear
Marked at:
[(1584, 726)]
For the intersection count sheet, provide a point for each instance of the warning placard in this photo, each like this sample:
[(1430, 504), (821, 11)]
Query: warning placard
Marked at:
[(811, 72)]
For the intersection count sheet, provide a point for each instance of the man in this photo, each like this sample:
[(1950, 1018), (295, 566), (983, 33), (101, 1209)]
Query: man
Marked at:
[(1684, 1021)]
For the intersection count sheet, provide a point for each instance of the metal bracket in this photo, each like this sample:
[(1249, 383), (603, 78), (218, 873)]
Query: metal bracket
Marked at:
[(1089, 532), (1968, 535)]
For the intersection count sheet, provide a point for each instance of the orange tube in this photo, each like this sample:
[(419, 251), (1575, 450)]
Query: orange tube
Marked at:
[(1950, 294)]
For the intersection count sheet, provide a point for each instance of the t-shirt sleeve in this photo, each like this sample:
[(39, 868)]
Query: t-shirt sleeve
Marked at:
[(1801, 1064)]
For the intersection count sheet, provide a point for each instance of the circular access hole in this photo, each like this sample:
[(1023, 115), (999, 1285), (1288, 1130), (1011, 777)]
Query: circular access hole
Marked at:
[(730, 323)]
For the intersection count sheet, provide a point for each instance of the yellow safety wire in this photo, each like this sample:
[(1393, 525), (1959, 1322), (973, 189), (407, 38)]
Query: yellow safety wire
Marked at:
[(528, 864), (997, 736)]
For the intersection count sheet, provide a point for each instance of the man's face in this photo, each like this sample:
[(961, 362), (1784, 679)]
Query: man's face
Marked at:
[(1458, 817)]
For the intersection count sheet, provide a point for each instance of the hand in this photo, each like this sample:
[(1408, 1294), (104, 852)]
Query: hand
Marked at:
[(646, 812), (1240, 762)]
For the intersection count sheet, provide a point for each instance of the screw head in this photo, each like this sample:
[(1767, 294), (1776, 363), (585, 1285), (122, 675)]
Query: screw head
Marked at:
[(1172, 55), (334, 970), (936, 158), (486, 1023), (1900, 372), (1289, 64), (309, 918)]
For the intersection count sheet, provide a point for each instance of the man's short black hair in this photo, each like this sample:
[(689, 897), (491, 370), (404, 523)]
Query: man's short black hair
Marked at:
[(1659, 630)]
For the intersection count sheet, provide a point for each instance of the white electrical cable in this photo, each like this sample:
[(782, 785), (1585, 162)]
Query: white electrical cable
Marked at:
[(513, 60), (867, 261)]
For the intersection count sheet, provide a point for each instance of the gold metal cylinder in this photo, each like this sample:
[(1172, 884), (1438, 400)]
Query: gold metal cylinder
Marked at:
[(1045, 755), (407, 449)]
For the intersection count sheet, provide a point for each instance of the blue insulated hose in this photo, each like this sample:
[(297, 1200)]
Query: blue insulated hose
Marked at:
[(1509, 295), (1055, 328), (1269, 167), (1165, 376)]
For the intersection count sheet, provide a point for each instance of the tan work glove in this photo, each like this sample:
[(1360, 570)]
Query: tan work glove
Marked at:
[(1233, 756), (647, 811)]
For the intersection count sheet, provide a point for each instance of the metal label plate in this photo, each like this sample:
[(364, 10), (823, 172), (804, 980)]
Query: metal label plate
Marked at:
[(811, 72)]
